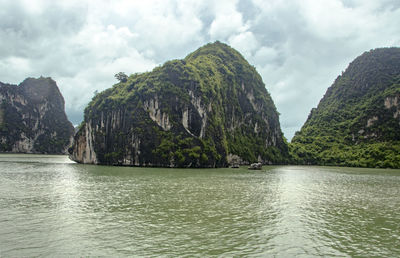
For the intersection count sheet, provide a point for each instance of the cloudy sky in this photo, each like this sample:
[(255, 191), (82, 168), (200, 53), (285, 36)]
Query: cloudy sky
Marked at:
[(298, 46)]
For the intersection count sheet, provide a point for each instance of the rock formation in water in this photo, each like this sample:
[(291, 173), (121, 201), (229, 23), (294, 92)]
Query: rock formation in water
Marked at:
[(32, 118), (357, 122), (207, 110)]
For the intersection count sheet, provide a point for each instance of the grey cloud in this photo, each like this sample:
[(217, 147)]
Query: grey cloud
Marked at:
[(248, 9), (30, 34)]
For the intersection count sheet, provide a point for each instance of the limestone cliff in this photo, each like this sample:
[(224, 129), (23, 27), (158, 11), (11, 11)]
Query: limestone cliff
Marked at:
[(32, 118), (207, 110), (357, 122)]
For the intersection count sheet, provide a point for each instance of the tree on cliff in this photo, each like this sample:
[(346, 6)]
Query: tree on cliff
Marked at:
[(122, 77), (196, 112)]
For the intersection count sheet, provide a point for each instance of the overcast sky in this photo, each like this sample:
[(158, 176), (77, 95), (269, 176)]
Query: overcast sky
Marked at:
[(298, 46)]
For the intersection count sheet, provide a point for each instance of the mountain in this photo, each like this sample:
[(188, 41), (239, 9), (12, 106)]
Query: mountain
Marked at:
[(357, 122), (32, 118), (210, 109)]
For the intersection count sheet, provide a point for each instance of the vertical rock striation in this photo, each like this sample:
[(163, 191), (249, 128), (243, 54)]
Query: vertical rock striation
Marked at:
[(197, 112), (357, 121), (32, 118)]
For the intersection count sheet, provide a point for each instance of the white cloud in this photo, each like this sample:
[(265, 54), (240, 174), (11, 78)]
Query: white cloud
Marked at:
[(265, 55), (331, 19), (245, 42), (225, 25), (15, 68)]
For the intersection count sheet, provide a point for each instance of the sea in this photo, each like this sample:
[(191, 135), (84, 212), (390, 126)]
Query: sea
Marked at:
[(53, 207)]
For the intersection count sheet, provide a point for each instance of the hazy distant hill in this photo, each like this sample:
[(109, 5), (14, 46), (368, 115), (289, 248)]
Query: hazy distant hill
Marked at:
[(357, 122), (207, 110), (32, 118)]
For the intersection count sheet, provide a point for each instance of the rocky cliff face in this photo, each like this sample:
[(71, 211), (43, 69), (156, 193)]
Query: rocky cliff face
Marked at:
[(357, 122), (32, 118), (207, 110)]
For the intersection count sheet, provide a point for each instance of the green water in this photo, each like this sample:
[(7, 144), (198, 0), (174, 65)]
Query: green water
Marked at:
[(50, 206)]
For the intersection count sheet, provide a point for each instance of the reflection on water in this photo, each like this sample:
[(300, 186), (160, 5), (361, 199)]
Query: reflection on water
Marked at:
[(50, 206)]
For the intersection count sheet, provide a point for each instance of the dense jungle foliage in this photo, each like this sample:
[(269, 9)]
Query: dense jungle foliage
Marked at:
[(357, 122), (241, 118)]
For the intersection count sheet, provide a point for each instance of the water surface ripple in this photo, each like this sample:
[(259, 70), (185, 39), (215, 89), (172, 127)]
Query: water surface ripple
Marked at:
[(50, 207)]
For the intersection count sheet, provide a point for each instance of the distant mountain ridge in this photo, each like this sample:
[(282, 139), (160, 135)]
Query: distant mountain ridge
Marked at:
[(32, 118), (210, 109), (357, 122)]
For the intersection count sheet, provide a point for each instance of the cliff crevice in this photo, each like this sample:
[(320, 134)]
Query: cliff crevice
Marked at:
[(33, 119), (197, 112)]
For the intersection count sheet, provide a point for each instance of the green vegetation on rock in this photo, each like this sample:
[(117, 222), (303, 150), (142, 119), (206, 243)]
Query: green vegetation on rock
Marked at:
[(32, 118), (357, 122), (195, 112)]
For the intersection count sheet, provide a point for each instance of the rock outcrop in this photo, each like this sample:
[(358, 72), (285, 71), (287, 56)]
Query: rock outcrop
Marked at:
[(32, 118), (357, 122), (195, 112)]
